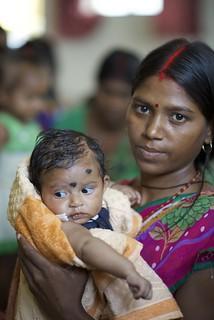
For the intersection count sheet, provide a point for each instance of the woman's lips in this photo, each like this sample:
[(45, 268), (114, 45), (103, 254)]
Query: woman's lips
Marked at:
[(147, 153)]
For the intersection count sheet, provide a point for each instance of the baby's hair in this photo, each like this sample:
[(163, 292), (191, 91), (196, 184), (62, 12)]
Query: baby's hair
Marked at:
[(57, 148)]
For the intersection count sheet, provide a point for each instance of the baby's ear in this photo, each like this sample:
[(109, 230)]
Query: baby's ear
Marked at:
[(106, 181)]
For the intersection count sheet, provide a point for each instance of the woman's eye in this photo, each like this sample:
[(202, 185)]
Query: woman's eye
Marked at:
[(178, 117), (142, 108), (60, 194), (87, 190)]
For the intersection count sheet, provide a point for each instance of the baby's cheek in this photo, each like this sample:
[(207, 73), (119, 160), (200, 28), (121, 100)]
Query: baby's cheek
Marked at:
[(57, 207)]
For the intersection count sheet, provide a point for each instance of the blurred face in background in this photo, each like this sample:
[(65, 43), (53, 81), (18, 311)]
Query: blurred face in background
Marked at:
[(27, 97), (111, 102)]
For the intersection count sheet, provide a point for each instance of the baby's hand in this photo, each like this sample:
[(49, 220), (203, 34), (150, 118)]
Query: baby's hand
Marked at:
[(133, 195), (140, 287)]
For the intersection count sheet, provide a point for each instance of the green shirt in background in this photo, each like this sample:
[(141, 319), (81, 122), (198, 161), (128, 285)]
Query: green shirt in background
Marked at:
[(22, 136), (21, 141)]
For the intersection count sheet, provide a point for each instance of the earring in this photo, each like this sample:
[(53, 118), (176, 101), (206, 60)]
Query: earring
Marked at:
[(207, 147)]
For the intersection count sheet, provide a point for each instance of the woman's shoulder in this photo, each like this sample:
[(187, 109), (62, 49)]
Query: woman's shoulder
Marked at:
[(134, 182), (208, 189)]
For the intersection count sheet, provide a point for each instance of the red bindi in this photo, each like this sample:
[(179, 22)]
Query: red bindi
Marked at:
[(156, 105)]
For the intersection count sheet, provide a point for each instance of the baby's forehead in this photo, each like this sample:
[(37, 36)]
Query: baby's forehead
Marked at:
[(88, 159)]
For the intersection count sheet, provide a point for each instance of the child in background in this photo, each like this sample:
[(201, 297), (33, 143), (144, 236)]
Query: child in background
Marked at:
[(42, 50), (22, 86), (67, 173)]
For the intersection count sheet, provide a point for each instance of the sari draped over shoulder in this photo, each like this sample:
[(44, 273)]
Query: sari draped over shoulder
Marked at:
[(178, 238)]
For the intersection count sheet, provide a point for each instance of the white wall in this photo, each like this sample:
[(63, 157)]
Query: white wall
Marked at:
[(77, 59)]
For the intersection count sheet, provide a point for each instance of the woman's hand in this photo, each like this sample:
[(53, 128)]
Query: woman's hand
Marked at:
[(133, 195), (58, 290)]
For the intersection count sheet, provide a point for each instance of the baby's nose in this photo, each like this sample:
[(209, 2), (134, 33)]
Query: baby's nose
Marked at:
[(75, 201)]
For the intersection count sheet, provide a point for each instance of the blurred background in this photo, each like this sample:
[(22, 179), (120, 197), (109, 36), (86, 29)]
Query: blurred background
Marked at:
[(58, 60), (81, 37)]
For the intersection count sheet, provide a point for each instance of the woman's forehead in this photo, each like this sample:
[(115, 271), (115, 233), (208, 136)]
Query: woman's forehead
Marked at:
[(163, 92)]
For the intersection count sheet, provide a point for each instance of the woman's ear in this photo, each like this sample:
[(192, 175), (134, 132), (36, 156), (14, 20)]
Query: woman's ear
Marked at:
[(209, 135)]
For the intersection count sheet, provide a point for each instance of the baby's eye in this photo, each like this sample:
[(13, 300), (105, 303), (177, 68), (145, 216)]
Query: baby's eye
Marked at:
[(60, 194), (87, 190), (179, 117)]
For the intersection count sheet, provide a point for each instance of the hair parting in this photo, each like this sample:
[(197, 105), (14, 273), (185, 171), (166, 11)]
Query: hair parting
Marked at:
[(169, 61)]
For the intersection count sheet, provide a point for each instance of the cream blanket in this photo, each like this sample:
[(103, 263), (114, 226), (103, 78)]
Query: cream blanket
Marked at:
[(30, 217)]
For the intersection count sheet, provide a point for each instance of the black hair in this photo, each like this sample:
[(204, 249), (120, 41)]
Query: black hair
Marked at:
[(191, 66), (118, 64), (38, 51), (7, 80), (14, 58), (3, 41), (56, 148)]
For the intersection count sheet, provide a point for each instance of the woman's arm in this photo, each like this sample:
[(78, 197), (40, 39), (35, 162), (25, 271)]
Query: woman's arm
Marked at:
[(196, 296), (58, 290)]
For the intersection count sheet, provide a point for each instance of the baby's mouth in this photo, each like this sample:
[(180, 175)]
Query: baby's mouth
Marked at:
[(65, 218), (76, 216)]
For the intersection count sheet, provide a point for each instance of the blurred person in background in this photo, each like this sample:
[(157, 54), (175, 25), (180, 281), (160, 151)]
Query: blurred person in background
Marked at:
[(40, 51), (22, 87), (103, 115), (3, 41)]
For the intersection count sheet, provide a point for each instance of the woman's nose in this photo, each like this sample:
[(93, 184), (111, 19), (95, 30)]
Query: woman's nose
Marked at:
[(154, 128)]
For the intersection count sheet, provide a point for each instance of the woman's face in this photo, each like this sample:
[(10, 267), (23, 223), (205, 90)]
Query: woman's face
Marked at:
[(166, 128)]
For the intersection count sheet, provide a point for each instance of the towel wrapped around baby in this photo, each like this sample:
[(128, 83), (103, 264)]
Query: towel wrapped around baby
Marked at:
[(104, 294)]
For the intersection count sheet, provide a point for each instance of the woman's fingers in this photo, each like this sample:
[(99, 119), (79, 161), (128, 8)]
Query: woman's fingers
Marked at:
[(50, 283)]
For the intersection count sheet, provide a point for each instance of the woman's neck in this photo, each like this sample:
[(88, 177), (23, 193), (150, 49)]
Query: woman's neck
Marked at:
[(157, 187)]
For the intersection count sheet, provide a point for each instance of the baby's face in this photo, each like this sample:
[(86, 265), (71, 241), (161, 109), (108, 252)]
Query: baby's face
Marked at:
[(77, 191)]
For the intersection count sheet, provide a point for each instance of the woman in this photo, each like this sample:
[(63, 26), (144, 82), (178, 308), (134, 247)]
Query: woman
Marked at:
[(170, 126)]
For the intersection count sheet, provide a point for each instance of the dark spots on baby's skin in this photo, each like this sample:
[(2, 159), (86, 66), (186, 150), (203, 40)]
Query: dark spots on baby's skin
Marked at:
[(88, 171), (73, 184)]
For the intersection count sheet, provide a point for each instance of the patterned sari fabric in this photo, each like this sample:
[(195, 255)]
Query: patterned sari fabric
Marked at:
[(178, 239)]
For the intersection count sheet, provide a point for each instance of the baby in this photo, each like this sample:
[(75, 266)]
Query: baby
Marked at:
[(67, 170), (59, 194)]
